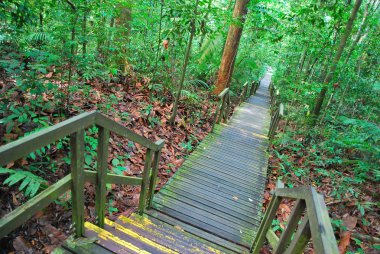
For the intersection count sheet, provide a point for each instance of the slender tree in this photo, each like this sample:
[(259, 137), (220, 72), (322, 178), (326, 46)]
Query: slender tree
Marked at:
[(231, 47), (333, 66), (185, 63)]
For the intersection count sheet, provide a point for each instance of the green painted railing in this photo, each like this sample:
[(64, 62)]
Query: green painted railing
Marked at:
[(223, 108), (276, 109), (75, 128), (308, 219)]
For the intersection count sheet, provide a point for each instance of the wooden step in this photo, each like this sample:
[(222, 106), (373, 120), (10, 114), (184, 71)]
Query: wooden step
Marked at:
[(143, 234), (209, 237)]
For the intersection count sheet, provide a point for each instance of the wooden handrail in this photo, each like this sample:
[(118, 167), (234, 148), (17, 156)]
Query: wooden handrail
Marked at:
[(275, 119), (222, 109), (75, 181), (315, 223), (243, 95)]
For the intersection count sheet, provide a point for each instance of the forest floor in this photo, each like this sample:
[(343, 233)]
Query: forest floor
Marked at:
[(357, 231), (135, 106)]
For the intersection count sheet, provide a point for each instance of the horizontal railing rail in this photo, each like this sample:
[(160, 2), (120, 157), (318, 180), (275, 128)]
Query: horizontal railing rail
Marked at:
[(75, 127), (309, 219)]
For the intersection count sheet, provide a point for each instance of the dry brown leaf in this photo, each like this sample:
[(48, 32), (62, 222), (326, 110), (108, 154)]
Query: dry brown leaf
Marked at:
[(344, 241), (349, 221)]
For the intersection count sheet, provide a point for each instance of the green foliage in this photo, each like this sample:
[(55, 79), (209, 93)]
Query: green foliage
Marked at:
[(29, 183)]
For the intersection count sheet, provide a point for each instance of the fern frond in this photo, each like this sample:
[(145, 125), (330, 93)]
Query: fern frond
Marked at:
[(30, 183)]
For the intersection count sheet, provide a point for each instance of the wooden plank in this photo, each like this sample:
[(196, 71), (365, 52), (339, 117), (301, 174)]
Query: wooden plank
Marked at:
[(190, 178), (25, 145), (136, 239), (155, 215), (168, 236), (292, 224), (221, 178), (23, 213), (233, 141), (77, 186), (223, 207), (121, 130), (257, 157), (202, 215), (225, 201), (195, 222), (240, 178), (145, 181), (234, 163), (90, 176), (206, 190), (111, 242), (209, 209), (102, 168)]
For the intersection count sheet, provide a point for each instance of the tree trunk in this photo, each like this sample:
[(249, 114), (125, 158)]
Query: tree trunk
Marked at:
[(123, 22), (231, 47), (338, 54), (362, 27), (186, 61)]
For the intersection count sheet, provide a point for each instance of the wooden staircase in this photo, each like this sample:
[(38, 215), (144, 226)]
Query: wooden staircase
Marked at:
[(211, 205)]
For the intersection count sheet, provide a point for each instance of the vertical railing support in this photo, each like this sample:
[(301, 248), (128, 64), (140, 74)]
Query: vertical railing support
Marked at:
[(154, 175), (227, 107), (102, 167), (77, 172), (265, 224), (145, 181), (253, 88), (221, 114)]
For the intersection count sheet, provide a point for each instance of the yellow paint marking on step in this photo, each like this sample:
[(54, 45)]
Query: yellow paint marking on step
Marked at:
[(139, 237), (105, 235), (244, 131), (259, 135), (145, 221)]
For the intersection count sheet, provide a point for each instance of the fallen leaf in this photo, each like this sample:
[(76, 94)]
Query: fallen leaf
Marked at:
[(344, 241), (349, 221), (21, 245)]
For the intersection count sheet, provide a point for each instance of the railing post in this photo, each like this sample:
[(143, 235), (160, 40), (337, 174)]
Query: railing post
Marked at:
[(227, 109), (294, 218), (153, 177), (77, 173), (145, 180), (275, 120), (102, 167), (221, 115), (218, 108), (301, 238), (265, 224)]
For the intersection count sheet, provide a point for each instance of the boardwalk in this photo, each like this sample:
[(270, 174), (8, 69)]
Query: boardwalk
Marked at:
[(213, 202), (219, 188)]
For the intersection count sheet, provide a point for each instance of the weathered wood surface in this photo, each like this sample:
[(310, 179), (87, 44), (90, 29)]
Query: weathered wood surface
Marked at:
[(219, 188), (139, 234)]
